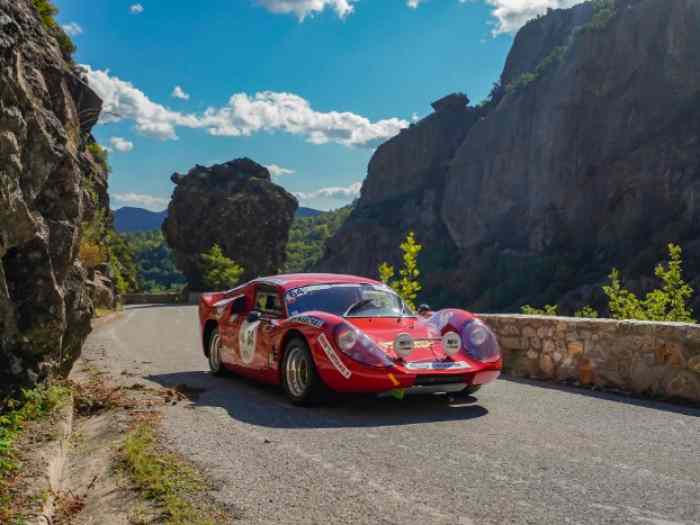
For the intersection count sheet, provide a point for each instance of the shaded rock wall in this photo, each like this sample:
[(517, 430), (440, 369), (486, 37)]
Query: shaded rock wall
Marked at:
[(236, 205), (656, 359), (534, 197), (49, 185)]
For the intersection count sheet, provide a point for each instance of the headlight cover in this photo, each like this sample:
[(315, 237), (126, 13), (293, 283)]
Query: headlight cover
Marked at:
[(359, 347), (480, 342)]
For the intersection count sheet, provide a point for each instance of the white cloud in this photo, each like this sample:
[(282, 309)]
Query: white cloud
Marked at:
[(512, 14), (72, 29), (244, 115), (136, 9), (340, 193), (178, 92), (276, 170), (303, 8), (121, 144), (144, 201)]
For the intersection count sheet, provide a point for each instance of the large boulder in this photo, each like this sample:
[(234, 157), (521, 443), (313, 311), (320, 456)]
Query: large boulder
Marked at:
[(49, 185), (586, 158), (236, 206)]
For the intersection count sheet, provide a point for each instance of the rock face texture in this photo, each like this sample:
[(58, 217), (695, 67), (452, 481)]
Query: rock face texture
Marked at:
[(235, 205), (49, 185), (586, 158)]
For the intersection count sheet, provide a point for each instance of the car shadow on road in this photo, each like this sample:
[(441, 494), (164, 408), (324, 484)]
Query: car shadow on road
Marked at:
[(265, 405)]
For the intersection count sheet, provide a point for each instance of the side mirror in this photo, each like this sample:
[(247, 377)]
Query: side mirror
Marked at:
[(238, 306), (254, 316)]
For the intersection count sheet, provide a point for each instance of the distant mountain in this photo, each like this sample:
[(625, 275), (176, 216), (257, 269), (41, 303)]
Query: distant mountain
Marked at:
[(129, 220), (307, 212)]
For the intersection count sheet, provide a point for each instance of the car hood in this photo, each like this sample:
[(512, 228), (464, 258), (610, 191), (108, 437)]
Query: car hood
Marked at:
[(383, 330)]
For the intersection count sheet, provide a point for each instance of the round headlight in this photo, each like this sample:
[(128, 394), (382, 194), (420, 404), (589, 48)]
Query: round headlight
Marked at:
[(451, 343), (403, 345), (478, 335), (346, 338)]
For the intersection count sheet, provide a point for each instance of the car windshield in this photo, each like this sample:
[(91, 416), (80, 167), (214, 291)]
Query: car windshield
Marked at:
[(350, 300)]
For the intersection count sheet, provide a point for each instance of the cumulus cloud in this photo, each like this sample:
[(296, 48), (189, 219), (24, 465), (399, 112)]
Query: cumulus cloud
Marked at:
[(243, 115), (276, 170), (72, 29), (511, 15), (338, 192), (178, 92), (144, 201), (121, 144), (136, 9), (303, 8)]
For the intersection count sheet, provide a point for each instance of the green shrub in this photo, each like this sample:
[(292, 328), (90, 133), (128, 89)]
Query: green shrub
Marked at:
[(586, 312), (218, 271), (100, 155), (47, 11), (548, 309), (407, 285), (308, 236), (603, 12), (668, 303)]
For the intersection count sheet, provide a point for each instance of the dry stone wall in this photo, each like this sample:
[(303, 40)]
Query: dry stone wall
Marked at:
[(656, 359)]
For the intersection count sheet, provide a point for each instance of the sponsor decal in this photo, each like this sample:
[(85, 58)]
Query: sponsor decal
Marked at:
[(247, 338), (333, 357), (308, 320), (418, 343), (439, 365)]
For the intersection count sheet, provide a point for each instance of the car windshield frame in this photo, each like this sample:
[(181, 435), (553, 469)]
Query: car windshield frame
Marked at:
[(293, 296)]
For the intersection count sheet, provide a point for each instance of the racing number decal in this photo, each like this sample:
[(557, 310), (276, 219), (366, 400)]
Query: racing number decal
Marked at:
[(247, 338)]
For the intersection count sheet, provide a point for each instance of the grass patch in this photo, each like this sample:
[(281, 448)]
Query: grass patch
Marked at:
[(165, 479), (15, 416)]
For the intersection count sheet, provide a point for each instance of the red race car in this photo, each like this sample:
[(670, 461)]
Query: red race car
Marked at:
[(317, 332)]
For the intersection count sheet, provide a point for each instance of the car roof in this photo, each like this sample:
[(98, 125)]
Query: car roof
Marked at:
[(298, 280)]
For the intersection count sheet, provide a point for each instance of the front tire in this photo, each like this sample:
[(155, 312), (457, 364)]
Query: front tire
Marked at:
[(300, 380), (216, 367)]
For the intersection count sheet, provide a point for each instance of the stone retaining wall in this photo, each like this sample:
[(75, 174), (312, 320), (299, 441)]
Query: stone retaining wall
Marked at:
[(148, 298), (657, 359)]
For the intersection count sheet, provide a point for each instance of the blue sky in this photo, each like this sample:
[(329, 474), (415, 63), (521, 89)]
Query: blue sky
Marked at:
[(309, 87)]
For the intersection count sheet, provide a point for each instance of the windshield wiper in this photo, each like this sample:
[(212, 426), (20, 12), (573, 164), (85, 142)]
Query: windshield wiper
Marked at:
[(357, 306)]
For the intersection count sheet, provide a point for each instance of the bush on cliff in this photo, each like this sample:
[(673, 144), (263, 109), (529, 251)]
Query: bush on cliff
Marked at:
[(47, 11), (668, 303), (218, 271), (407, 285)]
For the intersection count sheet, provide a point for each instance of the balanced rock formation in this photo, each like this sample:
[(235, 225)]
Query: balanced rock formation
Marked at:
[(235, 205), (49, 185), (585, 157)]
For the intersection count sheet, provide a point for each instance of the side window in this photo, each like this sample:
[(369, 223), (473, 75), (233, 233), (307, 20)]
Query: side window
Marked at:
[(267, 301)]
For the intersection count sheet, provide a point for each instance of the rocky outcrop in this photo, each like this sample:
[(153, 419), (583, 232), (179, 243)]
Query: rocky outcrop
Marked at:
[(235, 205), (586, 158), (49, 185)]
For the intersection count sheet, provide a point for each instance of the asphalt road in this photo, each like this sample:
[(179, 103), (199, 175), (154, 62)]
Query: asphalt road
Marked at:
[(521, 452)]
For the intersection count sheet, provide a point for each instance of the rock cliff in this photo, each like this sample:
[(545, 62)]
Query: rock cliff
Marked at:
[(50, 184), (235, 205), (586, 156)]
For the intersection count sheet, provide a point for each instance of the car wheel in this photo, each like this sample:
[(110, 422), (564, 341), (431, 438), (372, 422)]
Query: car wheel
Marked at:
[(300, 380), (215, 365)]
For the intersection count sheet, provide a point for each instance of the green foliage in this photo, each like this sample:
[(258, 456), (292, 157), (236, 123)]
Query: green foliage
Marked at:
[(15, 415), (548, 309), (407, 285), (165, 479), (586, 312), (155, 262), (218, 271), (47, 12), (100, 154), (308, 236), (603, 12), (553, 59), (668, 303)]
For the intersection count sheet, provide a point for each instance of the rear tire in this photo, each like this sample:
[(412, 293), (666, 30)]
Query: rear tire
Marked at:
[(216, 367), (300, 380)]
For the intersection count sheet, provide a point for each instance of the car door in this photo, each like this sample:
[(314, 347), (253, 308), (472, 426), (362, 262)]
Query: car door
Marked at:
[(255, 340), (229, 327)]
